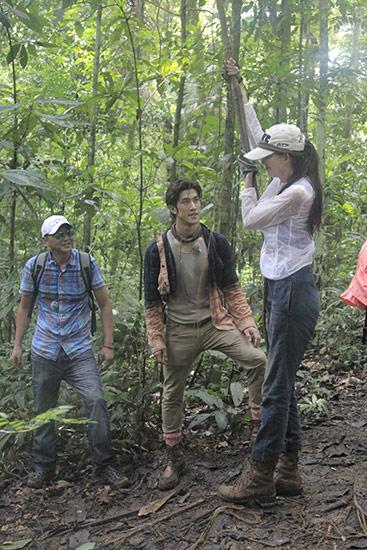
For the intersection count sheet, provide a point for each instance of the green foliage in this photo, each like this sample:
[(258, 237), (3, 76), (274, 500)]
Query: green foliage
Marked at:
[(315, 396), (57, 414), (223, 412)]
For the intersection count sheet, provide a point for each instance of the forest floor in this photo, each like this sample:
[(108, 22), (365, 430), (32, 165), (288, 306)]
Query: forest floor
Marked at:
[(76, 512)]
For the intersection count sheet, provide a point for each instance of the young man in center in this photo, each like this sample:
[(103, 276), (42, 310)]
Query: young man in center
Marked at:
[(193, 302)]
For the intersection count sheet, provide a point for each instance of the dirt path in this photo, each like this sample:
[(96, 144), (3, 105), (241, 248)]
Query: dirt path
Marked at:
[(332, 513)]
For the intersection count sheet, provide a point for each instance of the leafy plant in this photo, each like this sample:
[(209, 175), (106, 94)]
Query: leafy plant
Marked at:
[(314, 404), (222, 412)]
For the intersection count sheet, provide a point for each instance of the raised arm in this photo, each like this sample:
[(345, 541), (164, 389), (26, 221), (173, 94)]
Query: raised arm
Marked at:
[(254, 129)]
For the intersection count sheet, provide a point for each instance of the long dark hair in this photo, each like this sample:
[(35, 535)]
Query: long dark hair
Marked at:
[(306, 164)]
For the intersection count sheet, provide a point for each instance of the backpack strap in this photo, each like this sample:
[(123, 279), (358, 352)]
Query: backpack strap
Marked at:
[(86, 272), (36, 274), (364, 335), (163, 281)]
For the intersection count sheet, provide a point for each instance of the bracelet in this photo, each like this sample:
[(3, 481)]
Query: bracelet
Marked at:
[(108, 347)]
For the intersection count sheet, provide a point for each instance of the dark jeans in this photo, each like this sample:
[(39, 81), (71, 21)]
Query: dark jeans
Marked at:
[(293, 306), (82, 374)]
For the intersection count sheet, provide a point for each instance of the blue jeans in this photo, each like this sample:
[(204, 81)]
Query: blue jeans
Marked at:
[(81, 374), (292, 306)]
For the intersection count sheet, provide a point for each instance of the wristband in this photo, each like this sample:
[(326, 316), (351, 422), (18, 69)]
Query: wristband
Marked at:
[(108, 347)]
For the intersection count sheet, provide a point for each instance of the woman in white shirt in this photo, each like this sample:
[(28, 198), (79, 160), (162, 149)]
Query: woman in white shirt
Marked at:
[(288, 213)]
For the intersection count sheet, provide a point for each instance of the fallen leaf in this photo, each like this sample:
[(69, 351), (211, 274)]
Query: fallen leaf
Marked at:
[(79, 538), (62, 483), (104, 497), (8, 545), (86, 546), (155, 505)]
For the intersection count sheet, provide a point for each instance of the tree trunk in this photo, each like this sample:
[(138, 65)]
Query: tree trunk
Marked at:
[(181, 91), (226, 213), (323, 87), (306, 66), (13, 207), (93, 129), (284, 65), (350, 95)]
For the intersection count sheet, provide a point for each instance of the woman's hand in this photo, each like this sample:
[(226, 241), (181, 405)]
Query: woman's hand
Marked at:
[(249, 180), (232, 69)]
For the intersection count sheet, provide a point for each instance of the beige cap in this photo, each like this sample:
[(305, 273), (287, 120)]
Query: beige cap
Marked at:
[(280, 138)]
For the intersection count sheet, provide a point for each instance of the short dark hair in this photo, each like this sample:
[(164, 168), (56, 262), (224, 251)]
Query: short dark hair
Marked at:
[(176, 187)]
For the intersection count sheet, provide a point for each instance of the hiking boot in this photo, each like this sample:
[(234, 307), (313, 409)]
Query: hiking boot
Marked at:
[(175, 466), (112, 477), (39, 478), (256, 485), (288, 481)]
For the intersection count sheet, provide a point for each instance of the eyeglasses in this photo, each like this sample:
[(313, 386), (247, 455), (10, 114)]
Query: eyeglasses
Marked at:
[(60, 234)]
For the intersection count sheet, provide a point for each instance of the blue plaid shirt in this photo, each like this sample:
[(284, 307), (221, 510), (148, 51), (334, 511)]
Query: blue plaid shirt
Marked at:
[(64, 317)]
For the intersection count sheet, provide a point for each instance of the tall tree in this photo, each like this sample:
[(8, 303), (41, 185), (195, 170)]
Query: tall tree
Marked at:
[(93, 128), (284, 62), (231, 48), (350, 85), (323, 91), (181, 90)]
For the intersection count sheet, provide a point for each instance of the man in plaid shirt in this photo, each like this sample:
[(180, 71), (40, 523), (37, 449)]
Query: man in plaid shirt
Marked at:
[(62, 348)]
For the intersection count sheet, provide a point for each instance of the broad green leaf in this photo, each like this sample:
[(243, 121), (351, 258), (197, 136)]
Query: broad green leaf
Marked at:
[(237, 393), (221, 419), (13, 52), (207, 397), (4, 19), (199, 419), (30, 178), (23, 56), (33, 21)]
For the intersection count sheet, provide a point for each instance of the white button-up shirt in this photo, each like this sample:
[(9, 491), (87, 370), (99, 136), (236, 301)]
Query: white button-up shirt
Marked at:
[(282, 218)]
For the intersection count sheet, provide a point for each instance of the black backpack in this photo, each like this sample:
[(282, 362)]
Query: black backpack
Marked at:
[(86, 272)]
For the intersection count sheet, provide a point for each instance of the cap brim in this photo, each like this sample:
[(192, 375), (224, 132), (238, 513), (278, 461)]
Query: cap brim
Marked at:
[(57, 227), (258, 153)]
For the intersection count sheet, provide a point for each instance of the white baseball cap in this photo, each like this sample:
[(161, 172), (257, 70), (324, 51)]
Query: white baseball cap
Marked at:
[(52, 224), (280, 138)]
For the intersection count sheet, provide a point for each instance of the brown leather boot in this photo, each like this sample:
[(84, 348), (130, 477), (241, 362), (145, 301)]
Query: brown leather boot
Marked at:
[(288, 481), (175, 466), (256, 485)]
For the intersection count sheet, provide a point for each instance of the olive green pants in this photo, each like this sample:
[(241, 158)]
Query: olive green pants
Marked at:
[(184, 344)]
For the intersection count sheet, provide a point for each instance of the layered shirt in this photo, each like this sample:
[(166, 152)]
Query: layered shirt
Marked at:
[(281, 215), (227, 301), (64, 319)]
